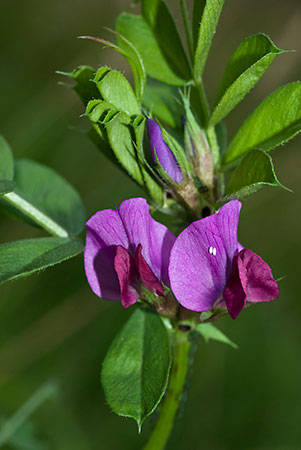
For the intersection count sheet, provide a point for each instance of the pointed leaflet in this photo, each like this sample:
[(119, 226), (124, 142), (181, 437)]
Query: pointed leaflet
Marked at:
[(22, 258), (209, 331), (6, 167), (159, 18), (276, 120), (46, 192), (255, 170), (136, 30), (135, 370), (246, 66), (116, 89), (210, 16)]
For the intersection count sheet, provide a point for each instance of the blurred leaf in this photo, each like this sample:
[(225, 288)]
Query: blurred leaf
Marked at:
[(49, 193), (210, 16), (25, 438), (158, 17), (276, 120), (6, 186), (22, 258), (115, 88), (198, 9), (209, 331), (255, 170), (246, 66), (135, 29), (85, 87), (136, 368), (163, 101), (150, 10), (6, 161)]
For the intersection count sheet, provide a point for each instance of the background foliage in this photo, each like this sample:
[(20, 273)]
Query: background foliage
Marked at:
[(53, 329)]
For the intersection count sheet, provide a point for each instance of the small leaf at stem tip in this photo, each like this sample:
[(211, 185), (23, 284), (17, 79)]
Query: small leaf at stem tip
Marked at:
[(136, 368), (209, 331), (20, 259), (84, 87), (255, 170), (248, 63), (275, 121)]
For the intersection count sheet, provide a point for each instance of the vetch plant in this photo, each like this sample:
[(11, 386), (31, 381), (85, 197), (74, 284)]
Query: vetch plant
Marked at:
[(173, 257)]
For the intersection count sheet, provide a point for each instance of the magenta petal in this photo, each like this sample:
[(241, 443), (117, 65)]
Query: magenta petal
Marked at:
[(105, 231), (201, 258), (234, 293), (149, 280), (125, 269), (164, 154), (260, 285), (155, 238)]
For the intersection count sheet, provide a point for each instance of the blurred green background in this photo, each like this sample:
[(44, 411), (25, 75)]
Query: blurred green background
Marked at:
[(54, 330)]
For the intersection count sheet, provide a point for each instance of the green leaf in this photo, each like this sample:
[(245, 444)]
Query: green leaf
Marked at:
[(85, 88), (47, 192), (276, 120), (159, 18), (246, 66), (198, 9), (163, 101), (115, 88), (6, 186), (255, 170), (6, 161), (136, 368), (121, 142), (22, 258), (136, 30), (210, 16), (209, 331)]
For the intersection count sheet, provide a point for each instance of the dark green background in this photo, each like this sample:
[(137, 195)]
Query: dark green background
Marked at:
[(52, 327)]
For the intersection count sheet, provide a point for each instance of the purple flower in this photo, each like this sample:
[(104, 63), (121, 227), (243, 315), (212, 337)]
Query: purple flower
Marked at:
[(124, 249), (164, 154), (208, 267)]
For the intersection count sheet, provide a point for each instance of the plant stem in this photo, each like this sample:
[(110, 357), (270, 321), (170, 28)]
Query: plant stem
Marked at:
[(204, 102), (34, 214), (163, 427)]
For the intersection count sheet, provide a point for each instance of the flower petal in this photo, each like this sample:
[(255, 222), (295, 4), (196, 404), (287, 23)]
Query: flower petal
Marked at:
[(125, 268), (201, 258), (105, 231), (164, 154), (260, 285), (155, 238), (149, 280), (234, 293)]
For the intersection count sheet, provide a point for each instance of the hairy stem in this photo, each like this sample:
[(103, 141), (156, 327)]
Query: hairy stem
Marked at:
[(163, 427), (34, 214)]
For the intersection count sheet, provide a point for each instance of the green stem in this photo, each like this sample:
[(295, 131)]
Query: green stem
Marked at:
[(187, 26), (162, 430), (204, 102), (34, 214)]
